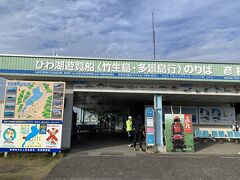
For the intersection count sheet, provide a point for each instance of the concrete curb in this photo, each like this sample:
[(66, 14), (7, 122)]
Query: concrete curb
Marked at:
[(162, 154)]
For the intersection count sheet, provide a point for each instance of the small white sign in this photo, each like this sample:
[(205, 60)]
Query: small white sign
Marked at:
[(150, 122)]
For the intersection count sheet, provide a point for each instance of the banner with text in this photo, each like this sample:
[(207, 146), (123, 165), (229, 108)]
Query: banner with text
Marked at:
[(118, 69), (33, 116)]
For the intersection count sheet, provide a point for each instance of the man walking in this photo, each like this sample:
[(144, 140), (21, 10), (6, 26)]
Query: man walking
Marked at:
[(138, 132)]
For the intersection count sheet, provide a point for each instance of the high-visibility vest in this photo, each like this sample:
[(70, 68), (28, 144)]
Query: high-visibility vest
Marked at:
[(129, 125)]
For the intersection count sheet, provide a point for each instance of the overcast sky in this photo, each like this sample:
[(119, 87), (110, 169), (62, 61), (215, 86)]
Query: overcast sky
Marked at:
[(185, 29)]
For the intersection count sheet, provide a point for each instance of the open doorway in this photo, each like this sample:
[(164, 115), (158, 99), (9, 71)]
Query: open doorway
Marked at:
[(99, 119)]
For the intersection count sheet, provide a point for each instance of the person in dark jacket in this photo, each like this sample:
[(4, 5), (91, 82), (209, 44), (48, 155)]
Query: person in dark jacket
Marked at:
[(138, 132)]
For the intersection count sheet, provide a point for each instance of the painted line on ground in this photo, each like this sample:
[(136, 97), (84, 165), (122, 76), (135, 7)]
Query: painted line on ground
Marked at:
[(179, 156), (230, 157)]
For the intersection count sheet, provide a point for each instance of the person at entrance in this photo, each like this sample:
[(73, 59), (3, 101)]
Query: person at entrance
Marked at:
[(138, 132), (129, 129)]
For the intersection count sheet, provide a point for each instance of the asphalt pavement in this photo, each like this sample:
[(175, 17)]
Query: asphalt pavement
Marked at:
[(139, 166), (107, 156)]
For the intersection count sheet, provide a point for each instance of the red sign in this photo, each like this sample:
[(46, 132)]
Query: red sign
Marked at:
[(52, 138), (188, 123), (150, 130)]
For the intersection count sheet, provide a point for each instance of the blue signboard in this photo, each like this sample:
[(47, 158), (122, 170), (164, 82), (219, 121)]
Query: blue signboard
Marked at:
[(150, 139), (29, 150), (149, 112)]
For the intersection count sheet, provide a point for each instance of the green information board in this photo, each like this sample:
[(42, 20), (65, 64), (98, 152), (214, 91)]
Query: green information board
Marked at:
[(116, 69)]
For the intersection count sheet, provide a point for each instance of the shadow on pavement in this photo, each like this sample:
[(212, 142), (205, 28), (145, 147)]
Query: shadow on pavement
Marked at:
[(198, 146), (116, 142), (102, 141)]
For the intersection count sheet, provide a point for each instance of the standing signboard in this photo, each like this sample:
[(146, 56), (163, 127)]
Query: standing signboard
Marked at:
[(32, 117), (150, 128), (179, 132)]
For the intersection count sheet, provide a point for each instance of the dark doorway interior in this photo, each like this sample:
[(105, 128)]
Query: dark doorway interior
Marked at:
[(100, 118)]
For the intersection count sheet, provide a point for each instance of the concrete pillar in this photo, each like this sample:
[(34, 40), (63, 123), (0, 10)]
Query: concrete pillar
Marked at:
[(67, 118), (158, 116)]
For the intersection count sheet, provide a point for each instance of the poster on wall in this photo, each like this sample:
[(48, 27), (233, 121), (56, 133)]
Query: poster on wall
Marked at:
[(179, 133), (90, 118), (204, 115), (217, 115), (33, 116)]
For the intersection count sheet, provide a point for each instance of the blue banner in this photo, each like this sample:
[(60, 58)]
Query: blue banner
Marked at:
[(29, 150), (31, 122), (125, 75)]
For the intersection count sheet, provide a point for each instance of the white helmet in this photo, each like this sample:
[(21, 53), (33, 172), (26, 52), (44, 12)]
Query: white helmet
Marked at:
[(129, 117)]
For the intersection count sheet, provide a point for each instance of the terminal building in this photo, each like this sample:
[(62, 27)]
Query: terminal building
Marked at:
[(113, 89)]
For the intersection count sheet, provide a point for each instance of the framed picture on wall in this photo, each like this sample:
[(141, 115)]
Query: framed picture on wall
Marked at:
[(215, 115)]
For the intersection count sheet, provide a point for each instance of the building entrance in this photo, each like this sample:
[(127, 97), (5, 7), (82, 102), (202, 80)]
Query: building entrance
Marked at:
[(99, 119)]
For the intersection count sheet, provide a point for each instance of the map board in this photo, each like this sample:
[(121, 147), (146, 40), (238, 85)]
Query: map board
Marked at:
[(33, 116), (34, 100)]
